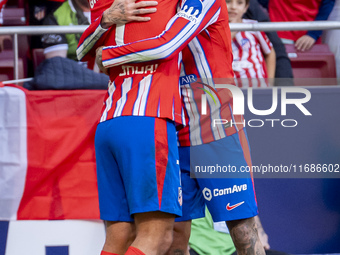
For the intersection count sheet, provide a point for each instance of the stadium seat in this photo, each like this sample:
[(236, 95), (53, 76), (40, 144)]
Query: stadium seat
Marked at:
[(38, 57), (7, 66), (313, 67), (14, 17)]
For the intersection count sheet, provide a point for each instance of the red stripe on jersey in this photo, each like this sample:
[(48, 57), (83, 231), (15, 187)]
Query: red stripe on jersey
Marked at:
[(250, 66), (205, 120), (250, 59), (161, 155), (131, 98)]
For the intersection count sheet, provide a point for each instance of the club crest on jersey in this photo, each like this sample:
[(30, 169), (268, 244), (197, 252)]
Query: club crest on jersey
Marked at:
[(190, 10), (245, 43), (180, 196)]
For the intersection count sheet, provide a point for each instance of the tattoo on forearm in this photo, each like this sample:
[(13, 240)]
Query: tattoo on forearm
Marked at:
[(116, 15), (245, 239)]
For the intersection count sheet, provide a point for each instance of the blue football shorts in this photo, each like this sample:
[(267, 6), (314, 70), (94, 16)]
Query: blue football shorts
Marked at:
[(226, 198), (137, 167)]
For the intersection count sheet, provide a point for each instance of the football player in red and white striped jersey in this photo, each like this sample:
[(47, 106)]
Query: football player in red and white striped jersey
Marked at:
[(208, 55)]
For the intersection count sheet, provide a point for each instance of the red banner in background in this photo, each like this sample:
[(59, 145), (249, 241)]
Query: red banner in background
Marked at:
[(61, 178)]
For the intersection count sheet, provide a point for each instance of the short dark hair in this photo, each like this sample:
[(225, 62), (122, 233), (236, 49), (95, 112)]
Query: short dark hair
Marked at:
[(247, 2)]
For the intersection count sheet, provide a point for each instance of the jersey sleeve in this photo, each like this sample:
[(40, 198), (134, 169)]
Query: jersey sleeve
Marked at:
[(193, 17), (265, 43), (324, 10), (92, 38)]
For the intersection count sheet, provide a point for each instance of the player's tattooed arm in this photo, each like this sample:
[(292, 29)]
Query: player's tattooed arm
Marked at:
[(124, 11), (120, 12), (245, 237)]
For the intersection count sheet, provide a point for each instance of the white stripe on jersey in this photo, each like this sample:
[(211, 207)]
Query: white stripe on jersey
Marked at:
[(108, 102), (143, 92), (256, 57), (89, 42), (126, 86), (119, 37), (164, 50), (205, 74), (213, 19), (194, 118)]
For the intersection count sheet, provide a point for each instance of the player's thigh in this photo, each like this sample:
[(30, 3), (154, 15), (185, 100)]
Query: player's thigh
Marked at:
[(193, 206), (113, 202), (228, 196), (147, 156)]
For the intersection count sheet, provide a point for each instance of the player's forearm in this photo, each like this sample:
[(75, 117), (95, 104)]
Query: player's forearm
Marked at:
[(271, 63), (180, 31), (120, 12), (91, 37)]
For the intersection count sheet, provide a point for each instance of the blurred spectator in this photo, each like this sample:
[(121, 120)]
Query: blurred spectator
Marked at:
[(254, 56), (299, 10), (283, 66), (60, 70), (71, 12), (37, 11), (332, 37)]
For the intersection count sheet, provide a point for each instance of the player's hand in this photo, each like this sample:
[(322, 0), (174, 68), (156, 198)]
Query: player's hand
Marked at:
[(99, 52), (262, 234), (263, 238), (305, 42), (124, 11)]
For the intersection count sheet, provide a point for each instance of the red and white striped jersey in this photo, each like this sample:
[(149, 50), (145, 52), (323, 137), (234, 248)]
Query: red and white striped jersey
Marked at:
[(249, 65), (146, 89), (208, 55)]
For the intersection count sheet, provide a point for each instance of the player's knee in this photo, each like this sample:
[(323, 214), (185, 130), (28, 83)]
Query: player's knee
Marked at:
[(120, 235), (181, 234), (167, 241)]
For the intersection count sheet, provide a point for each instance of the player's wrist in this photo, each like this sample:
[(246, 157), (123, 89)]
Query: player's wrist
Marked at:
[(105, 22)]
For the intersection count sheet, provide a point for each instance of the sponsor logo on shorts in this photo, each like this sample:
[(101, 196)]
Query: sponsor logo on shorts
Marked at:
[(231, 207), (208, 195)]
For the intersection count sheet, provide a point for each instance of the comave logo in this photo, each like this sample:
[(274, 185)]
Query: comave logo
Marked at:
[(207, 194)]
